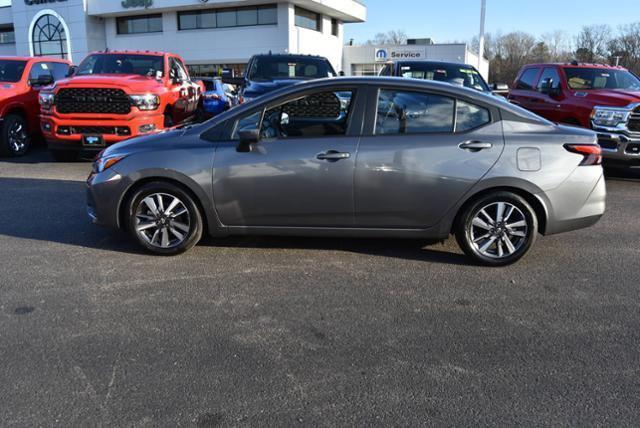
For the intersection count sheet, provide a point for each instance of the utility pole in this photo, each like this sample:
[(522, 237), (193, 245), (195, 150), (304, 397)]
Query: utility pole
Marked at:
[(483, 12)]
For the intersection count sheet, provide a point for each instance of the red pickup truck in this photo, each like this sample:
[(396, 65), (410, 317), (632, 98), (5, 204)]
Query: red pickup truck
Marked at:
[(600, 97), (21, 79), (114, 96)]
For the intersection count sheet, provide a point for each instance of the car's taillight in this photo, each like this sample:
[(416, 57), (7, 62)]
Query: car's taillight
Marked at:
[(592, 153)]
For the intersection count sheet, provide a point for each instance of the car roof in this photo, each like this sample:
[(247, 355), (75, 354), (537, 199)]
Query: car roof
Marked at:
[(133, 52), (269, 55), (31, 58), (575, 65)]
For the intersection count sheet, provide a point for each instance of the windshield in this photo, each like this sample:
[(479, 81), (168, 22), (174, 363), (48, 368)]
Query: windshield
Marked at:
[(450, 73), (597, 78), (11, 71), (273, 68), (143, 65)]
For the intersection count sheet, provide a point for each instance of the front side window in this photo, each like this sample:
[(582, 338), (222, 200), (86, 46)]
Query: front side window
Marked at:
[(550, 75), (11, 71), (177, 70), (249, 122), (40, 69), (585, 79), (405, 112), (143, 65), (318, 115), (307, 19), (528, 79), (139, 24)]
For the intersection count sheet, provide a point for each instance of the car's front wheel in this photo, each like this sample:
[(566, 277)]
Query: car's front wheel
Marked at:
[(498, 229), (164, 218), (16, 139)]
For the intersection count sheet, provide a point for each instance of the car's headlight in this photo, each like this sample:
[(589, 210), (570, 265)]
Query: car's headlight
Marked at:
[(102, 163), (146, 102), (47, 100), (608, 116)]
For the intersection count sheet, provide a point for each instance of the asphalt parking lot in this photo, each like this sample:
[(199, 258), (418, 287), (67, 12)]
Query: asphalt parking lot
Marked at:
[(275, 331)]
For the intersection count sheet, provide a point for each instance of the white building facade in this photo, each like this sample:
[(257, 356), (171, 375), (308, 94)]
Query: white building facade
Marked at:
[(208, 34), (368, 60)]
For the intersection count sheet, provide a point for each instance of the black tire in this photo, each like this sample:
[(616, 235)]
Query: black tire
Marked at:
[(168, 119), (466, 231), (138, 212), (16, 138), (65, 155)]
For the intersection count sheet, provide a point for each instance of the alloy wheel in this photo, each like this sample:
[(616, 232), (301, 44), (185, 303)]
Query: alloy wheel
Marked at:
[(162, 220), (18, 138), (499, 230)]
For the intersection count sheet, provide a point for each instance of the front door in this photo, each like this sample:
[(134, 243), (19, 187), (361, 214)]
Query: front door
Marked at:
[(426, 152), (300, 174)]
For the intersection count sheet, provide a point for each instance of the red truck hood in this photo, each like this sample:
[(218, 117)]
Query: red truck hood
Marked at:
[(129, 82), (611, 97)]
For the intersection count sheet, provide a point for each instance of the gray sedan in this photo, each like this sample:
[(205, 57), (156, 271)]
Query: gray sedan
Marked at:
[(357, 157)]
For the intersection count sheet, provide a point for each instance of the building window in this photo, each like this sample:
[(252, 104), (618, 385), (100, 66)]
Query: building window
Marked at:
[(228, 17), (7, 36), (215, 70), (366, 69), (335, 27), (49, 37), (307, 19), (139, 24)]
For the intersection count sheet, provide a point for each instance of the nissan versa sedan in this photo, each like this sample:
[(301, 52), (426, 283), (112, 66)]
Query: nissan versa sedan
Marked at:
[(357, 157)]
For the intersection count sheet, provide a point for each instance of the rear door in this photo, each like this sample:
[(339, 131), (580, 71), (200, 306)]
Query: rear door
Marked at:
[(524, 93), (423, 152)]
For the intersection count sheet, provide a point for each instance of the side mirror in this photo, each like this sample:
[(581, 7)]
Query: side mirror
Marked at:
[(547, 88), (247, 138), (72, 71), (42, 80), (500, 88)]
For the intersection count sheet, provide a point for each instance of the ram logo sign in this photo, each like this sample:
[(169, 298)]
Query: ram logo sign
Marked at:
[(382, 55)]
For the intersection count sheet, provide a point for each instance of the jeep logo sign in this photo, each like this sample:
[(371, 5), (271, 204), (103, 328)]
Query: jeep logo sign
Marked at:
[(136, 3)]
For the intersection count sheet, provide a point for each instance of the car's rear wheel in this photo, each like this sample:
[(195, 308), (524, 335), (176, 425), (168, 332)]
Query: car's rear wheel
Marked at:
[(498, 229), (65, 155), (164, 219), (16, 139)]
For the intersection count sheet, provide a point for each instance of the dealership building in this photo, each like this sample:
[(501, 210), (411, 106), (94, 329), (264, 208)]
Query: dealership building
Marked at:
[(208, 34), (368, 60)]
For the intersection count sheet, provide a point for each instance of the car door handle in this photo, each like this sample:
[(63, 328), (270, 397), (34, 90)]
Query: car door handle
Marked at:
[(475, 146), (333, 156)]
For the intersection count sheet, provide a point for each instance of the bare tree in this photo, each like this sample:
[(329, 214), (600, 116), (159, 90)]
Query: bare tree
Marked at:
[(626, 47), (559, 45), (393, 37), (592, 43)]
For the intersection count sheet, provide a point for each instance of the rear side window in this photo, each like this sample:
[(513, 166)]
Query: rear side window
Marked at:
[(404, 112), (470, 116), (527, 80)]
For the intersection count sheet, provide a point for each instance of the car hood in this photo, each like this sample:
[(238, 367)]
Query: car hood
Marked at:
[(162, 140), (260, 88), (611, 97), (131, 82)]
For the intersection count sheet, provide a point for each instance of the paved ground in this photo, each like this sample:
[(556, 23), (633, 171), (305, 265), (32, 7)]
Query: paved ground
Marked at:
[(308, 331)]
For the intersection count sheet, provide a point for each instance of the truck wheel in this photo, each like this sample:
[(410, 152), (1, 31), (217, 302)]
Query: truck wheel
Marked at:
[(64, 155), (15, 136)]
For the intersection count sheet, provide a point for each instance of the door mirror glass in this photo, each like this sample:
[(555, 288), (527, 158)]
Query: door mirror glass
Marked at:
[(72, 71), (247, 138)]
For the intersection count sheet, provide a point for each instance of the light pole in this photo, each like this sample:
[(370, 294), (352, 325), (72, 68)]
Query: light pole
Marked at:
[(483, 12)]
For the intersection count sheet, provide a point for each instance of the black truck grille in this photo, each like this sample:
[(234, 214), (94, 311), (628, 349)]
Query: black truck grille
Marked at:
[(634, 123), (106, 130), (93, 100)]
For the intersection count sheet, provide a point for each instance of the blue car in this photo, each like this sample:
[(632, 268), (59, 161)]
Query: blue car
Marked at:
[(218, 98)]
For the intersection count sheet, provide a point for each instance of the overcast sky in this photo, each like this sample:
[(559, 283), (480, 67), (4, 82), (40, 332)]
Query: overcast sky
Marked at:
[(460, 20)]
